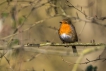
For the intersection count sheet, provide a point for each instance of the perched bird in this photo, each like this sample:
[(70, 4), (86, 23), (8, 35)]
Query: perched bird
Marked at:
[(67, 33)]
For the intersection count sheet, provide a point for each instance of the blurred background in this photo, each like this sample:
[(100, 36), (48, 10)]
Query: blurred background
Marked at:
[(29, 14)]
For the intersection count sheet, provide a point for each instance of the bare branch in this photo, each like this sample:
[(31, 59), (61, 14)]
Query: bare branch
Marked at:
[(75, 7), (85, 52), (88, 61), (53, 44)]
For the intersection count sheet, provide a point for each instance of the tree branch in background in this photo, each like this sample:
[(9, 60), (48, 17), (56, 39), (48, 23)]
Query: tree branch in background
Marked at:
[(88, 61), (95, 19), (85, 52), (75, 8)]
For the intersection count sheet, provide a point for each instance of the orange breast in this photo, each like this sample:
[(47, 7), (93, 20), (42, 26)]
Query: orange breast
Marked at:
[(65, 28)]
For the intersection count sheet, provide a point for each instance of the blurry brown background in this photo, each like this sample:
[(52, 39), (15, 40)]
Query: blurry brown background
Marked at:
[(42, 32)]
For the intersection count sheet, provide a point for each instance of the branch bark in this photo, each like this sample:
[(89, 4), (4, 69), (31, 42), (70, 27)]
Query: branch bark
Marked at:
[(38, 48)]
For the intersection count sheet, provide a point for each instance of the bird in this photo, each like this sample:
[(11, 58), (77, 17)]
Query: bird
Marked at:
[(67, 33)]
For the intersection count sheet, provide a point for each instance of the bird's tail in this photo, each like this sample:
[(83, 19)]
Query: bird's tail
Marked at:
[(74, 49)]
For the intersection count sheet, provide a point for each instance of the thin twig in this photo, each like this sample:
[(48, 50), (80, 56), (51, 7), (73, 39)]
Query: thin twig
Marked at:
[(85, 52), (82, 29), (41, 21), (88, 61), (75, 8)]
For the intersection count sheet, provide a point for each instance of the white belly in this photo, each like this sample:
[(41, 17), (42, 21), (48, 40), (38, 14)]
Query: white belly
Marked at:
[(66, 38)]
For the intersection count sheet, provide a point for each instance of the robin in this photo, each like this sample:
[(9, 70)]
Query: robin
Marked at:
[(67, 33)]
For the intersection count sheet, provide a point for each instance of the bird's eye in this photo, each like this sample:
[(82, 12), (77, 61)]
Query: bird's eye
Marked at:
[(60, 22)]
